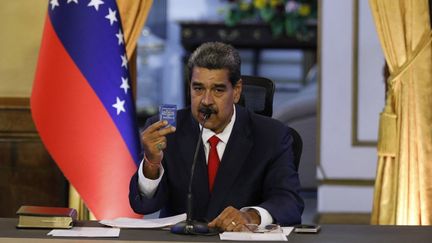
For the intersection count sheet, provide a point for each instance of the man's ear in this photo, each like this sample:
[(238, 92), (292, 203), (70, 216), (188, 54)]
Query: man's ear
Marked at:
[(237, 90)]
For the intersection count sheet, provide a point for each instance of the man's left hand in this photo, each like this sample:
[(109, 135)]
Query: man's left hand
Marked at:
[(232, 219)]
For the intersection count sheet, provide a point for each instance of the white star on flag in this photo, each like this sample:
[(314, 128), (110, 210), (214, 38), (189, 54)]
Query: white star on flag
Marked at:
[(54, 3), (124, 61), (120, 37), (95, 3), (75, 1), (125, 85), (111, 16), (119, 105)]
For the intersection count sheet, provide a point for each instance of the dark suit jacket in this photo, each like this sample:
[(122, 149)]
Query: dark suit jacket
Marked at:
[(256, 169)]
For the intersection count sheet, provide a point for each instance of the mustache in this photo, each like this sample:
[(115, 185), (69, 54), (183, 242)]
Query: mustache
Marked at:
[(207, 110)]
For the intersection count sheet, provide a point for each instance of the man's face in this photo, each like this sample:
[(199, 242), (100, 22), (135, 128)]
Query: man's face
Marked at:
[(211, 88)]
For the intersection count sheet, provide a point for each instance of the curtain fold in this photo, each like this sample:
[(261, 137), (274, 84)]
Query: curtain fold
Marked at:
[(133, 16), (403, 187)]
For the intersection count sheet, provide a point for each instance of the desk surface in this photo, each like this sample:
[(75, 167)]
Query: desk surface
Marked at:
[(328, 233)]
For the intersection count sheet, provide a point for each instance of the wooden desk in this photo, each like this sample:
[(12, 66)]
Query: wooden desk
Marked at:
[(328, 234), (244, 35), (253, 36)]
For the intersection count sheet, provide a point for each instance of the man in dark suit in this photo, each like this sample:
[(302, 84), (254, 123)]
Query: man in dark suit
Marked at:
[(254, 180)]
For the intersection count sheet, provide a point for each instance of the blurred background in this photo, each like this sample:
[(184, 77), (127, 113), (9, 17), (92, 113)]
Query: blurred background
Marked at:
[(325, 59)]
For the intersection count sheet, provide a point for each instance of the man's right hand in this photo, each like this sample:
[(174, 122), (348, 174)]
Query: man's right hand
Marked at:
[(154, 140)]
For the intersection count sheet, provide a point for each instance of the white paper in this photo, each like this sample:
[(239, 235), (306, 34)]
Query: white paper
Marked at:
[(144, 223), (287, 230), (249, 236), (86, 232)]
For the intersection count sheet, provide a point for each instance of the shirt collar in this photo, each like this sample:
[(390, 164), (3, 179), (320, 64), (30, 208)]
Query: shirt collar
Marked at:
[(225, 134)]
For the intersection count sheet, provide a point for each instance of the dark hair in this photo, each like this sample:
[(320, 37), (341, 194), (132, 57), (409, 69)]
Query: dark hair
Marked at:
[(216, 55)]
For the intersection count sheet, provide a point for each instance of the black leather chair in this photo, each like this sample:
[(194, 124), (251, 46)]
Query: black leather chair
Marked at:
[(257, 96), (297, 147)]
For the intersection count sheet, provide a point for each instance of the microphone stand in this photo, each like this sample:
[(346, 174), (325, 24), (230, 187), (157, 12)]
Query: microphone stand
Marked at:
[(193, 227)]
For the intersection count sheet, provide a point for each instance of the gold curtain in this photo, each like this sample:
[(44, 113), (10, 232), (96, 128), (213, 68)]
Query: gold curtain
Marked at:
[(133, 14), (403, 187)]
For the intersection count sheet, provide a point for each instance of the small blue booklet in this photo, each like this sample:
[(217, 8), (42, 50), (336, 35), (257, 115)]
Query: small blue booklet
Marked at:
[(168, 113)]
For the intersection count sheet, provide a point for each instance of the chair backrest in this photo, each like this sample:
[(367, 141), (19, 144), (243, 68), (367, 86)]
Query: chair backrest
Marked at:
[(257, 94), (297, 147)]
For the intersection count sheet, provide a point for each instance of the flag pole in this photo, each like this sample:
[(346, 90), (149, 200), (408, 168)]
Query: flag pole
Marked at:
[(76, 202)]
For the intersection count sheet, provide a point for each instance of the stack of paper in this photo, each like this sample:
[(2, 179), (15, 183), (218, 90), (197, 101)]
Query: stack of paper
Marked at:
[(87, 232), (144, 223), (249, 236)]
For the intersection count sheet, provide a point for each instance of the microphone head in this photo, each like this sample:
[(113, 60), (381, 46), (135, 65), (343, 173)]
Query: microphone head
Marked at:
[(207, 111)]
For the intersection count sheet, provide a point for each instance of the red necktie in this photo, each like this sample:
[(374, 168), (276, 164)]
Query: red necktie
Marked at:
[(213, 160)]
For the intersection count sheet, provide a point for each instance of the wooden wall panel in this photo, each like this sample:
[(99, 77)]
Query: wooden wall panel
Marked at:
[(28, 175)]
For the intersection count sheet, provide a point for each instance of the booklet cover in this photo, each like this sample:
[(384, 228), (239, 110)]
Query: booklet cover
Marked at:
[(46, 217), (169, 113)]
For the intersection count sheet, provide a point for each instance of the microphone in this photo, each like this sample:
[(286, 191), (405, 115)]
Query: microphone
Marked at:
[(207, 111), (193, 227)]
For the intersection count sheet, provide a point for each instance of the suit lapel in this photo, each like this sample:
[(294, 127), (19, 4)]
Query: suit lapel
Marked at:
[(235, 155), (187, 144)]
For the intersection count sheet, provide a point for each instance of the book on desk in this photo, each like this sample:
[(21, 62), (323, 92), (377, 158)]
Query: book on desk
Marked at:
[(46, 217)]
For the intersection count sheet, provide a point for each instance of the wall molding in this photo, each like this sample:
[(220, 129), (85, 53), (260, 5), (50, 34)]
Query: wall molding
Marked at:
[(347, 182), (343, 218), (16, 122)]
